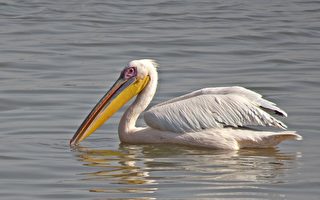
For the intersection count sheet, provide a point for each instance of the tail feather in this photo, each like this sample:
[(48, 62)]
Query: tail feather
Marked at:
[(265, 139)]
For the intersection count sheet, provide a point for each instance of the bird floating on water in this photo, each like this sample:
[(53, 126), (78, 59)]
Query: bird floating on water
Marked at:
[(210, 117)]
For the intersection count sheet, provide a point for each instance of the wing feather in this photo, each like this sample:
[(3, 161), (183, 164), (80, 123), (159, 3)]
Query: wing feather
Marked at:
[(213, 108)]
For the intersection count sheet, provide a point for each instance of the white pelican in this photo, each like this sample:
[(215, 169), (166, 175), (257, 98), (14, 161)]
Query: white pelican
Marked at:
[(210, 117)]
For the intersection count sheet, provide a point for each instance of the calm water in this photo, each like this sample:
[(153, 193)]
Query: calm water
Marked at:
[(57, 58)]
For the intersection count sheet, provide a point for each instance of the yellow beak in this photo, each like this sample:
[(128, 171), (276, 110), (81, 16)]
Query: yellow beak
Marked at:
[(119, 94)]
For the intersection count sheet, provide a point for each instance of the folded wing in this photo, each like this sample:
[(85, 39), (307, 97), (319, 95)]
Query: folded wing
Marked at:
[(213, 108)]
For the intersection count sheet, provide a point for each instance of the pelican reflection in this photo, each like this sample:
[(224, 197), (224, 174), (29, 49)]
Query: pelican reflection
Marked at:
[(146, 169)]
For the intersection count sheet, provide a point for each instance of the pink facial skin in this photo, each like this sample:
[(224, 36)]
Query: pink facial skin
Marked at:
[(129, 72)]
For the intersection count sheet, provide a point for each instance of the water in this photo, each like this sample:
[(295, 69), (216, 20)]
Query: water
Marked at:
[(57, 58)]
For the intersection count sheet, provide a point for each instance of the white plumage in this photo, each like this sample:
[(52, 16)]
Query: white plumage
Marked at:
[(213, 108), (210, 117)]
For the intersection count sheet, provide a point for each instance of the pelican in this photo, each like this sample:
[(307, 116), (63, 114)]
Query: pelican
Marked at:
[(214, 118)]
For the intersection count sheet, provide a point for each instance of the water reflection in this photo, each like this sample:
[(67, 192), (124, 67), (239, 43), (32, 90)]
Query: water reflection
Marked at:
[(147, 169), (120, 166)]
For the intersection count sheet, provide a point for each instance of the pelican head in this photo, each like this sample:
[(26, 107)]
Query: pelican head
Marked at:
[(133, 79)]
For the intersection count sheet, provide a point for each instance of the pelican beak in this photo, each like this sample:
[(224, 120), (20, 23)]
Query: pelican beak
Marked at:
[(120, 93)]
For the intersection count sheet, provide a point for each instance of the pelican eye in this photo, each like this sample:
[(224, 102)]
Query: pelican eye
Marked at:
[(130, 72)]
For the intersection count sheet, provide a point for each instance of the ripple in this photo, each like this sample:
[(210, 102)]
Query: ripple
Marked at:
[(58, 59)]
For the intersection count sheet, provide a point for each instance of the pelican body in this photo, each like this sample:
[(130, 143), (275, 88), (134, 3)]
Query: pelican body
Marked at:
[(211, 117)]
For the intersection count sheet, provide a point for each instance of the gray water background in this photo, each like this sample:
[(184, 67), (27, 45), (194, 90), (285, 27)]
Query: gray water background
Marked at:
[(57, 58)]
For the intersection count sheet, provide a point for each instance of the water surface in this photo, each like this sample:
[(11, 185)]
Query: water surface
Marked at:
[(58, 58)]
